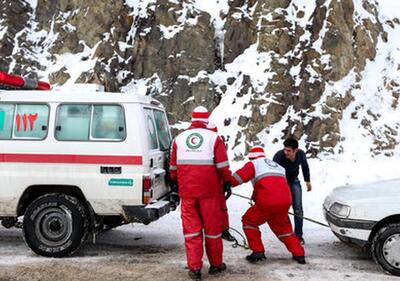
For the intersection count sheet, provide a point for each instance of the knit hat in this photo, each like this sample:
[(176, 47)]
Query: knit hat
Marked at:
[(200, 113), (212, 127), (256, 152)]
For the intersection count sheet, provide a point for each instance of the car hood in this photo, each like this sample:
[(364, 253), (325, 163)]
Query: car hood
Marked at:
[(387, 191)]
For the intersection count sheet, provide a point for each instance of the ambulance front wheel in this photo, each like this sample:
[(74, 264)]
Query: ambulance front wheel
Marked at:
[(55, 225)]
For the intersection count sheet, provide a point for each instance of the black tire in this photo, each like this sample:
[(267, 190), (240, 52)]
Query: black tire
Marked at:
[(385, 248), (55, 225)]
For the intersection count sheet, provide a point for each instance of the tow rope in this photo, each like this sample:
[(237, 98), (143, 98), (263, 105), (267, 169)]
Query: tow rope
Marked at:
[(290, 213), (244, 244)]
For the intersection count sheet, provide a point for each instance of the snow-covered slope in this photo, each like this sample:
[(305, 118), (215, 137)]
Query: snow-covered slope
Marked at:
[(326, 72)]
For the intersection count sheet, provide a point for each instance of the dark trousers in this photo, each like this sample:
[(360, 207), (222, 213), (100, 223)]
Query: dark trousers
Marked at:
[(297, 205)]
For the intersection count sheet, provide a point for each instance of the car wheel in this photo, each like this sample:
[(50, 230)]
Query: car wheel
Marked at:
[(386, 248), (55, 225)]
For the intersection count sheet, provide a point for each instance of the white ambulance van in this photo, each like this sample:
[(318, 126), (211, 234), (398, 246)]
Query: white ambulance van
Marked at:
[(74, 162)]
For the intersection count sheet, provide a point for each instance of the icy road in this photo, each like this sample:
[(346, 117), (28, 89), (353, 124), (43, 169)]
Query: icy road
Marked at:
[(156, 252)]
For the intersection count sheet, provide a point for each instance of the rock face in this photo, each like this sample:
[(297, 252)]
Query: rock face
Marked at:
[(278, 64), (14, 16)]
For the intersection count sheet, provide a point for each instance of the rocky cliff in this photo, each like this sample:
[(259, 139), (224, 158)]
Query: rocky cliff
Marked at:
[(324, 71)]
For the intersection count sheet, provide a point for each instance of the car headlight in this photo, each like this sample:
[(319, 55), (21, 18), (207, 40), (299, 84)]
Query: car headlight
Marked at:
[(327, 203), (340, 210)]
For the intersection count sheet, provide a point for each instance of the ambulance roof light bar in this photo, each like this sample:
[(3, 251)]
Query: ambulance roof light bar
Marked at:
[(22, 82)]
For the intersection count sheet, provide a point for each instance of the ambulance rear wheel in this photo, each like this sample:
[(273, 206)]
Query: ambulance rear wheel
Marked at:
[(55, 225)]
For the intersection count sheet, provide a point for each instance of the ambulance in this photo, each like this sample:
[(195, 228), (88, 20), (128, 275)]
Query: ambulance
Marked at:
[(77, 161)]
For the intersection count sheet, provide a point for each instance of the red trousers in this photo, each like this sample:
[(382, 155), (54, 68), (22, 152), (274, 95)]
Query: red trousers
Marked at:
[(198, 214), (278, 220), (224, 213)]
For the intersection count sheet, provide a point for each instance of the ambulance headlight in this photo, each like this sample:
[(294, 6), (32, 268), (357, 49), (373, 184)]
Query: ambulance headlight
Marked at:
[(340, 210)]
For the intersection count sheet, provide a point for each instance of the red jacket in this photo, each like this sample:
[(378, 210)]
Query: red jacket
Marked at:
[(198, 162), (269, 182)]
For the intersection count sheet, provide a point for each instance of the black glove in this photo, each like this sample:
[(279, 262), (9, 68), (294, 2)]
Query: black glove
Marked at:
[(227, 190), (174, 187)]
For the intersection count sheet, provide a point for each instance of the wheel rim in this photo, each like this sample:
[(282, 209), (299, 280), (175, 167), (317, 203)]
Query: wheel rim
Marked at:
[(391, 250), (53, 226)]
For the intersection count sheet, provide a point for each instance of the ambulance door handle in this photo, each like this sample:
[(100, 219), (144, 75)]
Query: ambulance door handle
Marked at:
[(159, 172)]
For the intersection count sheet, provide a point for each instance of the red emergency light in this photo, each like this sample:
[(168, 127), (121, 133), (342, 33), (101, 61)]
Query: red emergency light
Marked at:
[(23, 82)]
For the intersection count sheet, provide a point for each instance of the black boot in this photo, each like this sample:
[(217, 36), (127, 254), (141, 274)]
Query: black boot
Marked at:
[(256, 257), (195, 274), (217, 269), (227, 236), (300, 259)]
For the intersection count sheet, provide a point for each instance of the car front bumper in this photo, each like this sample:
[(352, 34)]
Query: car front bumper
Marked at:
[(350, 230)]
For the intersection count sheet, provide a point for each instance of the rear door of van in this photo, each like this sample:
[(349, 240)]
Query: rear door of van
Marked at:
[(159, 139), (104, 162)]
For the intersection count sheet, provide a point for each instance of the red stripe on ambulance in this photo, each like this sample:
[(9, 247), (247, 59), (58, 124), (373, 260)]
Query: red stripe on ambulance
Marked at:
[(71, 158)]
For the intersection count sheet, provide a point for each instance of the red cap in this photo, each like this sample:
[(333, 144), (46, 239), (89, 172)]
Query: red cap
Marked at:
[(212, 127), (200, 113), (256, 152)]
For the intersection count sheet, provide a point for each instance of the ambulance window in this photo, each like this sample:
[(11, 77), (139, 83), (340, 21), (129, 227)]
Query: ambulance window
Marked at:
[(151, 128), (73, 121), (164, 138), (6, 120), (108, 122), (31, 121)]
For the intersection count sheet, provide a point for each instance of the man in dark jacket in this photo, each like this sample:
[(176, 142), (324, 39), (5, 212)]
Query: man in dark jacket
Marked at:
[(291, 158)]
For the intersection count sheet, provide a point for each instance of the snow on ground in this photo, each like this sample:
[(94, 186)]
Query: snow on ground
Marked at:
[(156, 252)]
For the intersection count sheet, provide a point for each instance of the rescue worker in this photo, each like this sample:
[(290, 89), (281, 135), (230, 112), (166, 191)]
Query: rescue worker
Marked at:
[(198, 162), (272, 200), (226, 235)]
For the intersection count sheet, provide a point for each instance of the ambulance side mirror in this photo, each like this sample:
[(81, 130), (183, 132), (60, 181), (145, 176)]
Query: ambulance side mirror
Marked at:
[(58, 128), (121, 129)]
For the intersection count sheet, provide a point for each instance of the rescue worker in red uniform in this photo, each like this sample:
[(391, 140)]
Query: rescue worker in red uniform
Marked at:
[(272, 201), (226, 235), (198, 163)]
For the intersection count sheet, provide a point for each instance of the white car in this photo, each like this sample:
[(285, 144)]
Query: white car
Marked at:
[(369, 216)]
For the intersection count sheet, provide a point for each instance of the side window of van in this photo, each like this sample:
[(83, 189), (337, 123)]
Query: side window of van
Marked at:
[(164, 138), (23, 121), (6, 120), (151, 128), (72, 122), (108, 122), (84, 122), (31, 121)]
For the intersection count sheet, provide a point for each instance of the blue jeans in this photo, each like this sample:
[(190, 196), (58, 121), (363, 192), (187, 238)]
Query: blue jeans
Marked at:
[(297, 204)]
